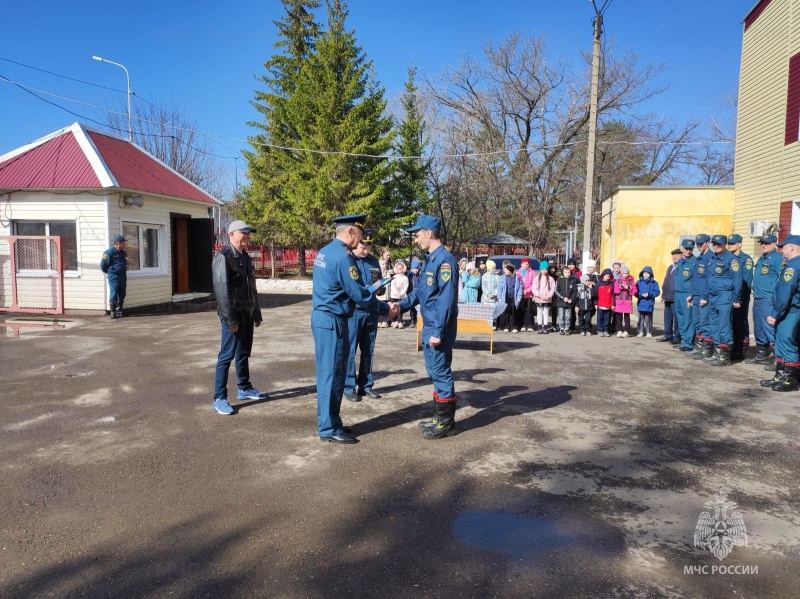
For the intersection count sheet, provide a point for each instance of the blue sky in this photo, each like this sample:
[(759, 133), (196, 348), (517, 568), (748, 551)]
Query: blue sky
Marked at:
[(203, 55)]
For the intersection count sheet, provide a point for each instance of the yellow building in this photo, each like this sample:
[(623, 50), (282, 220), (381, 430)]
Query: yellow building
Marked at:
[(642, 225), (767, 170)]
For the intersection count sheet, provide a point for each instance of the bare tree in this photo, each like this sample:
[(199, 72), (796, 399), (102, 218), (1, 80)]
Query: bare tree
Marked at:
[(525, 118), (170, 134)]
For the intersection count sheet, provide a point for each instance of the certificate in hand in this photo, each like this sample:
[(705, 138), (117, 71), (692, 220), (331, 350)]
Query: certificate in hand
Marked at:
[(378, 284)]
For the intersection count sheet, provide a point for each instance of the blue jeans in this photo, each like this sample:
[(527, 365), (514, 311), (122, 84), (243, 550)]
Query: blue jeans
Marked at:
[(234, 346)]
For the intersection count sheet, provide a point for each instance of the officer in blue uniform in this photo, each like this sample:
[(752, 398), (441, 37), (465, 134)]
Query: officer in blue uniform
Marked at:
[(363, 328), (739, 318), (683, 289), (115, 264), (724, 294), (337, 289), (766, 272), (786, 318), (698, 301), (437, 297)]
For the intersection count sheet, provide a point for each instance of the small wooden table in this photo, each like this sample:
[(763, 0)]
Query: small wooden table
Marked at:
[(468, 326)]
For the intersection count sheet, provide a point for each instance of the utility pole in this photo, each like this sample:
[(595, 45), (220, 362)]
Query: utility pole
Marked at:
[(587, 206)]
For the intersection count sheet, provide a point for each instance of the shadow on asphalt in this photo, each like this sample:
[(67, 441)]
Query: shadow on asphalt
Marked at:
[(506, 401)]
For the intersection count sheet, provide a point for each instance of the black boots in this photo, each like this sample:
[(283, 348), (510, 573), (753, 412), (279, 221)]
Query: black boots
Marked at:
[(119, 310), (770, 363), (706, 350), (698, 348), (710, 356), (761, 357), (790, 379), (724, 357), (432, 422), (778, 378), (113, 311), (445, 415)]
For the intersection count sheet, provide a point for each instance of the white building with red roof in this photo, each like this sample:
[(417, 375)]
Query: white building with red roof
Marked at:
[(87, 186)]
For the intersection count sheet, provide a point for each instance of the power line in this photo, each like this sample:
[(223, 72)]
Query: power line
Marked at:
[(27, 66), (215, 137)]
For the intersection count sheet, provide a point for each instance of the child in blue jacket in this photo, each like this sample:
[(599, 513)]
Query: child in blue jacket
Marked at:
[(647, 290)]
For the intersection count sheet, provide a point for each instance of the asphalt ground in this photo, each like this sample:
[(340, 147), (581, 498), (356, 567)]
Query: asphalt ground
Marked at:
[(581, 469)]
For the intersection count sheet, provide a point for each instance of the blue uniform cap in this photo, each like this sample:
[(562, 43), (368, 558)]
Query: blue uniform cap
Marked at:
[(702, 238), (735, 238), (688, 244), (425, 221), (356, 220), (768, 239), (367, 238), (118, 238), (793, 239), (719, 240)]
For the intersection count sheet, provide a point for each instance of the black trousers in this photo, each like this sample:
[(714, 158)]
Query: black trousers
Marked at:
[(585, 320)]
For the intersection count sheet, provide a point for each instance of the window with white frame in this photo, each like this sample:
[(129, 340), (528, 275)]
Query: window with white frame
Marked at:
[(40, 254), (144, 246)]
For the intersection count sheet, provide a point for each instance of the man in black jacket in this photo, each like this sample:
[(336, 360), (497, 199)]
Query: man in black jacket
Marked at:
[(671, 332), (239, 312)]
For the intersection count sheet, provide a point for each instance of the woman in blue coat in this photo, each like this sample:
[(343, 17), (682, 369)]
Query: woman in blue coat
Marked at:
[(509, 290), (647, 290)]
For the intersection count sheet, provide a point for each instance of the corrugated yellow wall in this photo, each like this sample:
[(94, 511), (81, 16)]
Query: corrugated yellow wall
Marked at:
[(643, 225), (767, 171)]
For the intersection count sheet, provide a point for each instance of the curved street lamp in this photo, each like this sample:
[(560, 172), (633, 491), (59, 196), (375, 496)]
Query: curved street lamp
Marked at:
[(128, 77)]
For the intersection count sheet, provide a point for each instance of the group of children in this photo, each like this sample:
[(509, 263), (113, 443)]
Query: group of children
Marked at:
[(573, 298), (570, 298), (399, 287)]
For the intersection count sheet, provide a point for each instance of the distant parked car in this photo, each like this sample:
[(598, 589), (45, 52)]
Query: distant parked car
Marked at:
[(515, 260)]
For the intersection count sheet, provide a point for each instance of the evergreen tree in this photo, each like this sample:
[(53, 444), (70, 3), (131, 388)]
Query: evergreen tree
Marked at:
[(410, 195), (327, 108)]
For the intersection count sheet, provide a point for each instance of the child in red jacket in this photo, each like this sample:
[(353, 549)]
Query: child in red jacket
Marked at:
[(605, 302)]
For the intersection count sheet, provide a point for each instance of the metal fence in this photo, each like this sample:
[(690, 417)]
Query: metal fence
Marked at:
[(31, 274), (286, 261)]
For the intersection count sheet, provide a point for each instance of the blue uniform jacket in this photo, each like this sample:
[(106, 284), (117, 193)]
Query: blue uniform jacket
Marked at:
[(700, 276), (725, 275), (114, 263), (437, 293), (746, 268), (766, 273), (787, 295), (338, 285), (683, 274), (650, 287), (370, 270)]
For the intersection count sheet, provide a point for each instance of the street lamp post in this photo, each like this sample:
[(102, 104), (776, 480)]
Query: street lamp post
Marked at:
[(128, 77), (597, 23)]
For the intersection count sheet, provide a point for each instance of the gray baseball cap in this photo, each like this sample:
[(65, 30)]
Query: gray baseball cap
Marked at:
[(240, 225)]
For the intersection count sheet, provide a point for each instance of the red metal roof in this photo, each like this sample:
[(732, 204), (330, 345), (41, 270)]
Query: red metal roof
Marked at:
[(134, 169), (58, 163), (79, 158)]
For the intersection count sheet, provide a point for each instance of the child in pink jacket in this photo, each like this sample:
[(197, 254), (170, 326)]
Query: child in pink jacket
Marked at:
[(624, 291), (542, 291)]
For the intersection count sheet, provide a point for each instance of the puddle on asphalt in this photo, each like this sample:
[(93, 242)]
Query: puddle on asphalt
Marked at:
[(517, 536)]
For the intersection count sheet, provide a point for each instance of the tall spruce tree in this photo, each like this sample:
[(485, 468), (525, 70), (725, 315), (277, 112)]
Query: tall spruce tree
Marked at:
[(263, 201), (330, 114), (410, 194)]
